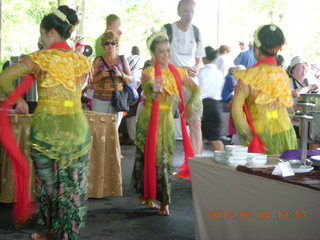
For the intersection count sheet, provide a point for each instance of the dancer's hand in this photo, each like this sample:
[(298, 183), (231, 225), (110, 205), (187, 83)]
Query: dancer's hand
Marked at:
[(21, 106), (157, 86), (188, 112)]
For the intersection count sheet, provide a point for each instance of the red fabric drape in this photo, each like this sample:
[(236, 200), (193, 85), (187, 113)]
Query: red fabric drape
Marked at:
[(257, 145), (150, 176), (183, 171), (23, 207)]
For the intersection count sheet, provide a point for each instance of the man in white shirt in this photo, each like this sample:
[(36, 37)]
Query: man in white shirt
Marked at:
[(187, 51)]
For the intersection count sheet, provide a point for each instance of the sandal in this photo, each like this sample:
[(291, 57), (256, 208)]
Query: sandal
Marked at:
[(149, 202)]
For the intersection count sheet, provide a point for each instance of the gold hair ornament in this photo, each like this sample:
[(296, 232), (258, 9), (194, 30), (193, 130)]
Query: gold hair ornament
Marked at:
[(158, 35), (60, 15)]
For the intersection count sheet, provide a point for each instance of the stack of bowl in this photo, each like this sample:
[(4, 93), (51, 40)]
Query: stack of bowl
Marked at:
[(219, 156), (236, 155), (256, 159)]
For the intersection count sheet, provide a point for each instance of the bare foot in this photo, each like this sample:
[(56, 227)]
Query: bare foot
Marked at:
[(36, 236), (149, 202), (164, 209)]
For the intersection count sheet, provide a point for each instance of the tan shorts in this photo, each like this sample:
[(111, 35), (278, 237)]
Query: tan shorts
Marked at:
[(197, 108)]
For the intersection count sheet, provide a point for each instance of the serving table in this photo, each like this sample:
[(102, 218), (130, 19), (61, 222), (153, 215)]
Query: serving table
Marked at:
[(104, 161), (243, 203)]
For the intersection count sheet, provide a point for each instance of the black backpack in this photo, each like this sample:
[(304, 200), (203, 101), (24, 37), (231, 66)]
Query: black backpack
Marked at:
[(169, 32)]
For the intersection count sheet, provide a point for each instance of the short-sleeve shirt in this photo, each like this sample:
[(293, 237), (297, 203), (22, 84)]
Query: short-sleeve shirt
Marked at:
[(184, 47)]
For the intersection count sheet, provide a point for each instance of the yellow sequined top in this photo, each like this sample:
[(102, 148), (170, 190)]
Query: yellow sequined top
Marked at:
[(170, 93), (59, 127), (266, 91)]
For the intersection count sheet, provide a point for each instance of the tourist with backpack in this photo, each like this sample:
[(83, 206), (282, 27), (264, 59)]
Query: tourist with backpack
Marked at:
[(187, 51)]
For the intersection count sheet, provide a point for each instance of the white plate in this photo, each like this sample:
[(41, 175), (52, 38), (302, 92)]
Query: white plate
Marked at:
[(266, 165), (316, 157), (235, 164), (302, 169)]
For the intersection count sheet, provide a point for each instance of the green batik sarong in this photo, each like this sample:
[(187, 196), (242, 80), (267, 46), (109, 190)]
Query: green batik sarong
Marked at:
[(62, 195)]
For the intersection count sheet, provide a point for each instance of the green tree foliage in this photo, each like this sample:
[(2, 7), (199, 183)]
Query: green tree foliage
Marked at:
[(146, 19), (237, 20), (20, 25)]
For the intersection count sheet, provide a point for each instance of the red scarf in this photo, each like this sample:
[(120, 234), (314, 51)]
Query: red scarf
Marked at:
[(150, 176), (23, 207), (257, 145)]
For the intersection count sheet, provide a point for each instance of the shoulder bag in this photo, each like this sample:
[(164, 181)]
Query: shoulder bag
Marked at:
[(119, 99), (132, 92)]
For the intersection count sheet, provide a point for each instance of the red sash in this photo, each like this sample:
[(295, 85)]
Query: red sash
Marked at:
[(257, 145), (150, 176)]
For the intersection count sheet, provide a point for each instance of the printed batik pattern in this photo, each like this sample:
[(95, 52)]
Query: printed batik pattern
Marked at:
[(62, 194)]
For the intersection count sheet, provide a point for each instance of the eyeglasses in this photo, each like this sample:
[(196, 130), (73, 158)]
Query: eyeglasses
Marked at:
[(106, 43)]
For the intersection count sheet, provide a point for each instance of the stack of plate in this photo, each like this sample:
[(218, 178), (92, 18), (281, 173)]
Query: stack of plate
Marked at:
[(219, 156), (256, 159), (315, 160), (236, 155)]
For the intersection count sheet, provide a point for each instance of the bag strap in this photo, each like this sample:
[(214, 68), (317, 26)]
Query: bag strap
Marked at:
[(196, 32), (122, 61), (169, 31), (114, 83)]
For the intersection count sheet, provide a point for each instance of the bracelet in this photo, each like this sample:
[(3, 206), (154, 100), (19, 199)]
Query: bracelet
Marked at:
[(122, 75)]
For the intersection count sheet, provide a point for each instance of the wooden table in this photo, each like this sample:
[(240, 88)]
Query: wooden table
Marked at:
[(105, 167), (229, 204)]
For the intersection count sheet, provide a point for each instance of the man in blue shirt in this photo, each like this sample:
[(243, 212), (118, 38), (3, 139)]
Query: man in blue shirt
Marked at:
[(246, 58), (229, 84)]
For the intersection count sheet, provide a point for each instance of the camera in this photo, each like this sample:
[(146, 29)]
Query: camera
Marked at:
[(112, 72)]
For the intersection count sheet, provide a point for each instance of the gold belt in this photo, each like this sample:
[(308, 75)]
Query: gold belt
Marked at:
[(162, 106), (65, 103)]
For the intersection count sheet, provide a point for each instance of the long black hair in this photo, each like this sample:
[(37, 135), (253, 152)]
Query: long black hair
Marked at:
[(51, 21)]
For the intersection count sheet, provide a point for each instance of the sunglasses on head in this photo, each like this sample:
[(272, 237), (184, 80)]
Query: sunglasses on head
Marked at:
[(106, 43)]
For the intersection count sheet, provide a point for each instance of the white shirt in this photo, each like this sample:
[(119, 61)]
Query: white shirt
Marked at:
[(136, 65), (224, 62), (211, 82), (184, 47)]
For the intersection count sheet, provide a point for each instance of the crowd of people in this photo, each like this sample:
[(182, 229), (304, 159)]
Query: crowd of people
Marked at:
[(182, 77)]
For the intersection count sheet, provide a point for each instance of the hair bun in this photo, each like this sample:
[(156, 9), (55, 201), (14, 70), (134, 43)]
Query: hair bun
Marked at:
[(211, 54), (70, 14), (269, 37)]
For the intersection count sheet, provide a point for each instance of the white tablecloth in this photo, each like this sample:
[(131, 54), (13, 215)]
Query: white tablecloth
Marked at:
[(244, 201)]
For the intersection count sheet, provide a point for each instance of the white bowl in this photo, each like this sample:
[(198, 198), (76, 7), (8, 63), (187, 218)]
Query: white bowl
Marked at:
[(220, 159), (257, 159), (219, 153), (235, 164), (237, 157), (235, 153), (238, 148), (236, 160)]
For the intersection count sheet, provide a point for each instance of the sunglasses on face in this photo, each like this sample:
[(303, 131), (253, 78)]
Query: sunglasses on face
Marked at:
[(106, 43)]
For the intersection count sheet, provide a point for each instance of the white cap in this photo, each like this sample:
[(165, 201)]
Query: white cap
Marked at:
[(296, 60), (239, 68)]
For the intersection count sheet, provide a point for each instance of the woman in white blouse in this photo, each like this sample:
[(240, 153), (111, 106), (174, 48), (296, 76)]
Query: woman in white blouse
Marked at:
[(211, 82)]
